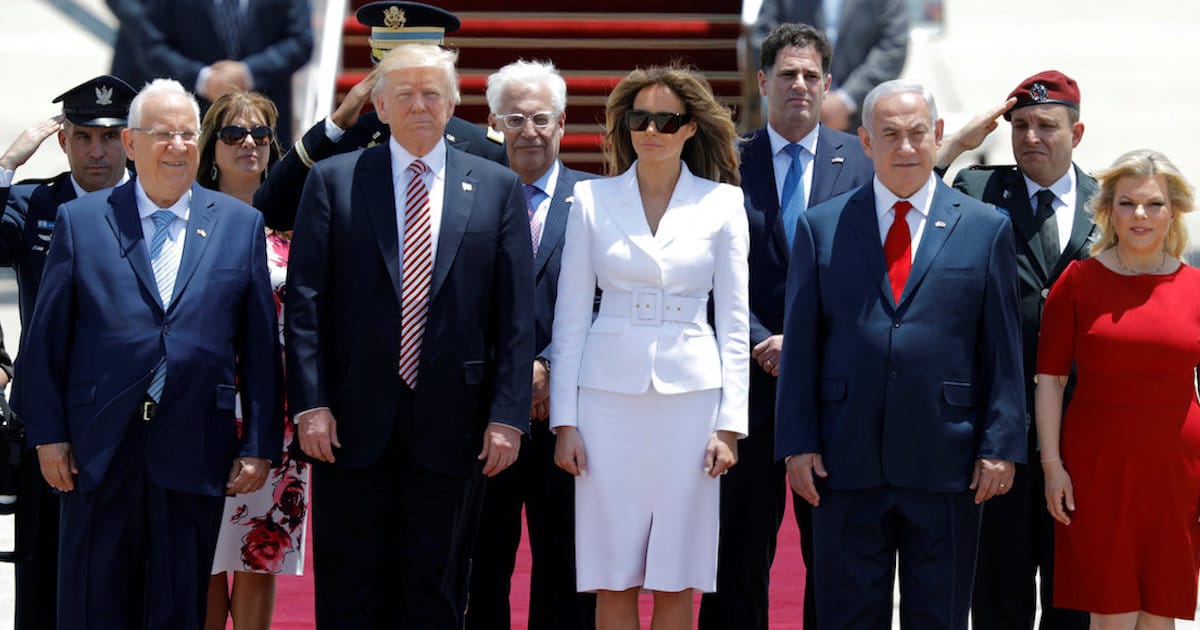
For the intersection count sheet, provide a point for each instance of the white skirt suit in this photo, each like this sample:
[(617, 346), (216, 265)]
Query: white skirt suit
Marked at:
[(649, 380)]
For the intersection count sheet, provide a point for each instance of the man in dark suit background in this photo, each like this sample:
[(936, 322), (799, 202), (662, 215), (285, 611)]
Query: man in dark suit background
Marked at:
[(89, 133), (795, 80), (528, 102), (410, 336), (392, 24), (1051, 230), (900, 408), (220, 46), (154, 311), (870, 45)]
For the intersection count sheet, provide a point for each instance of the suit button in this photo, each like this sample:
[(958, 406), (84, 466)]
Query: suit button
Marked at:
[(892, 374), (1045, 293), (895, 324), (167, 330)]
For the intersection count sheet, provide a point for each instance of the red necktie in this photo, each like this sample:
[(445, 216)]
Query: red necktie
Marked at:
[(414, 298), (897, 249)]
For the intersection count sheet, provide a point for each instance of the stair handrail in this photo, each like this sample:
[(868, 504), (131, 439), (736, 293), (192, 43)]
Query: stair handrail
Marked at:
[(314, 86)]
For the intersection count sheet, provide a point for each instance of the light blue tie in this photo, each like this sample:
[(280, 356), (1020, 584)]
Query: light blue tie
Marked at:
[(793, 201), (164, 277)]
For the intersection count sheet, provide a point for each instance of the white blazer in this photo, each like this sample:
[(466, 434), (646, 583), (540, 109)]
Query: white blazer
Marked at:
[(701, 245)]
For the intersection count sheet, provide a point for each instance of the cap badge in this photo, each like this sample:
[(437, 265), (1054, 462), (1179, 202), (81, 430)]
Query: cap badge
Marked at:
[(393, 17), (104, 95), (1038, 92)]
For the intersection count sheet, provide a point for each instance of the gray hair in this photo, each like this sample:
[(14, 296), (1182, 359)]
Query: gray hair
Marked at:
[(160, 87), (420, 56), (896, 86), (532, 73)]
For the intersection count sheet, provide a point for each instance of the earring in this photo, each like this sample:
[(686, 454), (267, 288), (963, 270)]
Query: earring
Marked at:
[(214, 173)]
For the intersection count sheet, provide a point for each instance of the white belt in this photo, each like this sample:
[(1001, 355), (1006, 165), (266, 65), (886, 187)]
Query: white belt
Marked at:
[(648, 306)]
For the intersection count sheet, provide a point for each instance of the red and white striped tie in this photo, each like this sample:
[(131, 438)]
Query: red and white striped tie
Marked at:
[(418, 265)]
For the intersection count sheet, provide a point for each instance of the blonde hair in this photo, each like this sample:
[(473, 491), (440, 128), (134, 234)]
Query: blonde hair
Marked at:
[(420, 56), (1141, 163), (711, 153)]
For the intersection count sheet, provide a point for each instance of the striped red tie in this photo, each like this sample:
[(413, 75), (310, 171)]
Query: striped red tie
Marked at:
[(418, 265)]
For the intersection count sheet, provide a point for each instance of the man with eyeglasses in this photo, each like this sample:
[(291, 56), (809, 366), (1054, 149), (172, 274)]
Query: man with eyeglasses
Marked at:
[(791, 164), (528, 103), (89, 133), (392, 24), (155, 311)]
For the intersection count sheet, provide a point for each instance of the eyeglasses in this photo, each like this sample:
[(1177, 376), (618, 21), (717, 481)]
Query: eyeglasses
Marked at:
[(234, 135), (664, 122), (165, 136), (541, 120)]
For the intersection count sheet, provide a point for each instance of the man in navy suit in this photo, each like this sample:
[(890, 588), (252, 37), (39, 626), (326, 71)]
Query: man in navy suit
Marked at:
[(409, 343), (795, 79), (528, 102), (155, 309), (900, 406), (89, 133), (220, 46)]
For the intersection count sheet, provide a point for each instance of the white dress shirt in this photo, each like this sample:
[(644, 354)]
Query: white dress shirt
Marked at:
[(1064, 203), (782, 161), (885, 214), (176, 233), (435, 183)]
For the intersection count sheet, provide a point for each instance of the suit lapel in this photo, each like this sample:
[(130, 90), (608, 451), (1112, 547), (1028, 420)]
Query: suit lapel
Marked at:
[(373, 184), (943, 216), (1020, 212), (457, 203), (627, 212), (860, 215), (555, 225), (759, 179), (1082, 226), (122, 217), (827, 165), (675, 221), (202, 217)]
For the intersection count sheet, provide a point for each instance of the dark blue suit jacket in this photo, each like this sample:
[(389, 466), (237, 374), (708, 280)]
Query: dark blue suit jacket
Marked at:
[(912, 394), (25, 233), (99, 329), (839, 166), (179, 37), (343, 310), (549, 257)]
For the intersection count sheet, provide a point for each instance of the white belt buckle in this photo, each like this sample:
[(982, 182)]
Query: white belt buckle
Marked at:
[(646, 307)]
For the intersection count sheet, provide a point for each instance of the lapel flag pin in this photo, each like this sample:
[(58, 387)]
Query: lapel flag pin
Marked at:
[(837, 160), (940, 224), (1005, 194), (201, 233), (570, 199), (467, 187)]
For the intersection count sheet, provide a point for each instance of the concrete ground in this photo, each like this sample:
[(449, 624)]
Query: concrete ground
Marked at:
[(1131, 62)]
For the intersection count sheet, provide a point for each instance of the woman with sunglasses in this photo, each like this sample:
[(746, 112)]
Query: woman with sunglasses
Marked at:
[(262, 533), (648, 401)]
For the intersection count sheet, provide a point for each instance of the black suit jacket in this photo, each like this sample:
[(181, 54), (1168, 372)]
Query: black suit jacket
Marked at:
[(25, 234), (1004, 187), (839, 166), (549, 257), (179, 37), (343, 310)]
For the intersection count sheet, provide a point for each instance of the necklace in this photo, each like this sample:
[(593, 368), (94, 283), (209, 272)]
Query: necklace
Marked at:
[(1159, 268)]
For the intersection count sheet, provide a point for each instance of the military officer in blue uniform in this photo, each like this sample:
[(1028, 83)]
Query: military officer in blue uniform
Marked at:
[(89, 132), (392, 24)]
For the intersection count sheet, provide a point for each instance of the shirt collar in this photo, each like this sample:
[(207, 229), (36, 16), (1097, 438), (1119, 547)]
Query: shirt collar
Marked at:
[(1061, 187), (147, 207), (546, 182), (79, 191), (401, 158), (809, 141), (885, 199)]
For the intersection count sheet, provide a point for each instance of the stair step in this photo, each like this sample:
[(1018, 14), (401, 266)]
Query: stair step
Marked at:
[(462, 7), (514, 26), (577, 84)]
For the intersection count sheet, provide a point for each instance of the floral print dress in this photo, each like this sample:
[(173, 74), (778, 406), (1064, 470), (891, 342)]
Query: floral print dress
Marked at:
[(263, 532)]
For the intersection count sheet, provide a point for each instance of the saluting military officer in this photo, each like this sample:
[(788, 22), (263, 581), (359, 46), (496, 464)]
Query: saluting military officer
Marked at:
[(1045, 195), (392, 24), (89, 132)]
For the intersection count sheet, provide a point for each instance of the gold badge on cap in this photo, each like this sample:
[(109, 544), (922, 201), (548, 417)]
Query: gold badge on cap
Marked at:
[(393, 17), (104, 95), (1038, 92)]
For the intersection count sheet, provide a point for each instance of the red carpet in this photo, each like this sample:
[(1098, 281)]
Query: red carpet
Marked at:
[(294, 601)]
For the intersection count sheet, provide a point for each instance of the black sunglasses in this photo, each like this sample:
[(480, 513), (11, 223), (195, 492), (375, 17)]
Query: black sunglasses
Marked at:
[(664, 122), (233, 134)]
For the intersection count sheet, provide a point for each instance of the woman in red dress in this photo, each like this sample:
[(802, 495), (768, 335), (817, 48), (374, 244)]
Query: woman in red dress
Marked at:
[(1123, 481)]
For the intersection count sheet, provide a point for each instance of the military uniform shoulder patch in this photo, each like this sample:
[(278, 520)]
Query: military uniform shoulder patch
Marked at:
[(495, 136)]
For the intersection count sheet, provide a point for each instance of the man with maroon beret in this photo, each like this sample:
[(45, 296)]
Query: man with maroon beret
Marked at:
[(1044, 194)]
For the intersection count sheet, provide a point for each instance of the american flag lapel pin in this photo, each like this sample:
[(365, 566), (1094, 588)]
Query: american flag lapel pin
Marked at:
[(201, 233), (467, 187), (837, 160), (570, 199), (939, 224)]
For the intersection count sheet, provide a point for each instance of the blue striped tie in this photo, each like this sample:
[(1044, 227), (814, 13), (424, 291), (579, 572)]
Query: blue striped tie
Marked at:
[(793, 200), (164, 277)]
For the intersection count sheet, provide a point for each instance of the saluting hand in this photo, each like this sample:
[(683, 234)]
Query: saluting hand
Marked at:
[(28, 142)]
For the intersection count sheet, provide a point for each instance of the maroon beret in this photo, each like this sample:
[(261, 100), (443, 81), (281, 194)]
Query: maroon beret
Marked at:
[(1049, 87)]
